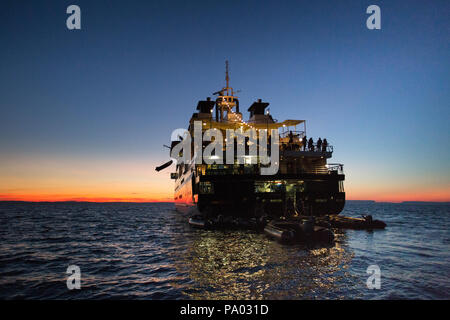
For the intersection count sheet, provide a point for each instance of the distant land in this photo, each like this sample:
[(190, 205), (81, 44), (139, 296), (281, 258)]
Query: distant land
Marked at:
[(68, 202), (360, 201), (403, 202), (425, 202), (351, 201)]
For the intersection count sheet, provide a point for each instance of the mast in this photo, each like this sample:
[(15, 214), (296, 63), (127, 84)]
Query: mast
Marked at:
[(226, 101), (227, 77)]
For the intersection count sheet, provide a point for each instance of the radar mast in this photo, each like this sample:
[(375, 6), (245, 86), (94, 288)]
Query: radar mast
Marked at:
[(226, 101)]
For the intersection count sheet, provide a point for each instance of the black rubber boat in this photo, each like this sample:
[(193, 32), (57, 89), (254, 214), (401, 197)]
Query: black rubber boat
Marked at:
[(198, 222), (364, 223), (298, 232), (226, 222)]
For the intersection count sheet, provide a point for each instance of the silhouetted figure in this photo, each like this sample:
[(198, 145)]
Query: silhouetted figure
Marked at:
[(290, 208), (311, 144), (291, 137), (304, 141), (319, 144), (324, 145)]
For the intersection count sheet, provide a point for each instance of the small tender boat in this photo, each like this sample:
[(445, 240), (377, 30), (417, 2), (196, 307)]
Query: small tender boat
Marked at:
[(227, 222), (366, 222), (282, 232), (197, 222), (298, 232)]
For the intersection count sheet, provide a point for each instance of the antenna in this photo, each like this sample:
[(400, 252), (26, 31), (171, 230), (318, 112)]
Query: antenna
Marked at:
[(227, 78)]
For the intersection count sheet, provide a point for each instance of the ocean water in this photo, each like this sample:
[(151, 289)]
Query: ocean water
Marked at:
[(147, 251)]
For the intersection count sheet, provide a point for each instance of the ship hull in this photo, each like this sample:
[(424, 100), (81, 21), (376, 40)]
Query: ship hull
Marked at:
[(246, 196)]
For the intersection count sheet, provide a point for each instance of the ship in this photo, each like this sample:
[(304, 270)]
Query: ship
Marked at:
[(305, 184)]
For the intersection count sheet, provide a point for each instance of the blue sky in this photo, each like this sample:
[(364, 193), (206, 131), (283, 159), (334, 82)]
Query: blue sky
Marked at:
[(113, 91)]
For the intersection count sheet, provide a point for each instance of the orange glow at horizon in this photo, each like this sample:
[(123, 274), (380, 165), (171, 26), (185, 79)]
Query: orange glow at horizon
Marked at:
[(99, 179), (58, 198), (431, 197), (47, 179), (437, 195)]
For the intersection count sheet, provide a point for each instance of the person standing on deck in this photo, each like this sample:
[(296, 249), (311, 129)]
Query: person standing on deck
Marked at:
[(319, 144), (304, 141), (324, 145), (291, 137), (311, 144)]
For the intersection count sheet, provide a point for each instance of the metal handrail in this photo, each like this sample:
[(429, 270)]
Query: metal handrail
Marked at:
[(331, 168), (296, 134), (335, 167), (306, 148)]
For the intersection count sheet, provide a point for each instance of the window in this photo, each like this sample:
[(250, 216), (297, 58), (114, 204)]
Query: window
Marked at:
[(206, 187), (269, 186)]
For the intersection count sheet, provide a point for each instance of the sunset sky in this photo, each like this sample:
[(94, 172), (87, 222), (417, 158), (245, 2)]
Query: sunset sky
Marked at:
[(84, 113)]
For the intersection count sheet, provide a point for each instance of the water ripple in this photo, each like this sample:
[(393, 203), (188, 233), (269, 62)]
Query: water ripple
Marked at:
[(147, 251)]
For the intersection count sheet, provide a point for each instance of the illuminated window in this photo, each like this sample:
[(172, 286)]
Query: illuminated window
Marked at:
[(206, 187), (269, 186)]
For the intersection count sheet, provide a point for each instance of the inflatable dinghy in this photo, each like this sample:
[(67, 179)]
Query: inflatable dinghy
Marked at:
[(364, 223), (297, 232)]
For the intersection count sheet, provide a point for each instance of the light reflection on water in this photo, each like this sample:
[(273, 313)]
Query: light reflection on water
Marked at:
[(147, 251), (240, 265)]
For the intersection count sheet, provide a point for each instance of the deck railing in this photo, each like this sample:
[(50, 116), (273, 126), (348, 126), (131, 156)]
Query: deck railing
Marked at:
[(299, 147), (335, 168), (296, 135), (327, 169)]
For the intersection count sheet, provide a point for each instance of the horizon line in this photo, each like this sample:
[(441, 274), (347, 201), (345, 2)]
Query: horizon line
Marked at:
[(157, 201)]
